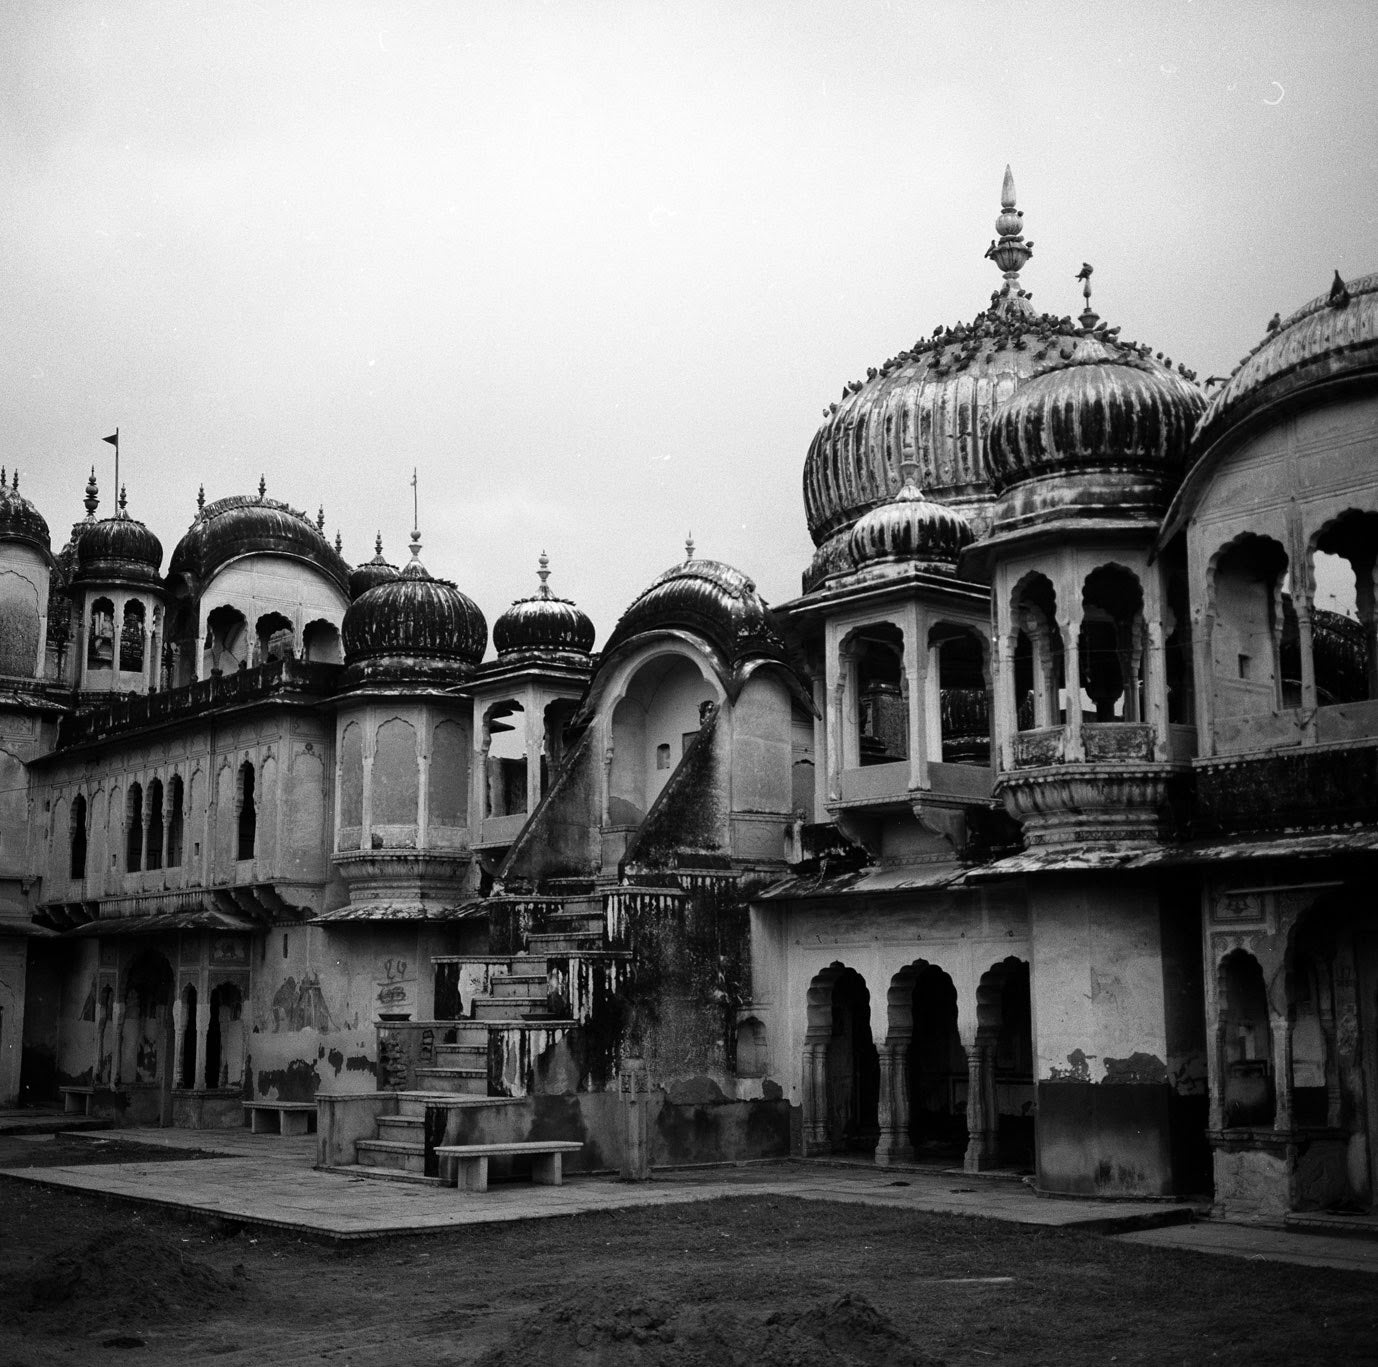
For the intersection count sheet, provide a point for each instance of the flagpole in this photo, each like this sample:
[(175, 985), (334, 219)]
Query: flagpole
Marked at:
[(115, 442)]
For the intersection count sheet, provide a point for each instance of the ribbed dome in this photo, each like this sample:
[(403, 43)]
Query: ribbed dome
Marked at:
[(1334, 336), (372, 572), (542, 625), (413, 625), (912, 530), (1115, 432), (19, 519), (118, 548), (710, 599), (243, 525)]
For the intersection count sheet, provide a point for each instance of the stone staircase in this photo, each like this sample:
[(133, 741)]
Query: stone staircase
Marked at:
[(518, 1006)]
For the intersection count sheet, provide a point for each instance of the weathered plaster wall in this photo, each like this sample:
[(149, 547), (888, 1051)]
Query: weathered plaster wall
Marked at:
[(13, 960)]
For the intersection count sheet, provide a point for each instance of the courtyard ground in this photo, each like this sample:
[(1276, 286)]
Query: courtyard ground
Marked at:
[(754, 1279)]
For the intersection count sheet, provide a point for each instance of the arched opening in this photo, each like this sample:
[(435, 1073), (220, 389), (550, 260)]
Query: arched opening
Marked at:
[(963, 697), (1247, 1042), (504, 744), (275, 638), (1110, 647), (1178, 664), (100, 643), (664, 705), (132, 637), (1247, 585), (147, 1035), (843, 1063), (227, 641), (1039, 669), (320, 641), (248, 811), (176, 822), (558, 716), (186, 1072), (882, 694), (1004, 1110), (154, 859), (78, 837), (1344, 567), (225, 1037), (923, 1005), (133, 828)]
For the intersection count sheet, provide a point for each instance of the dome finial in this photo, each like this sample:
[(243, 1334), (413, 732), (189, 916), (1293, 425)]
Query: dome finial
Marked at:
[(124, 499), (543, 573), (378, 544), (92, 499), (1011, 252), (689, 546), (320, 518), (201, 499), (339, 542), (262, 488), (909, 486), (14, 480)]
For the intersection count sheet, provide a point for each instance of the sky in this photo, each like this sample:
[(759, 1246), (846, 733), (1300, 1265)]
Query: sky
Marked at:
[(594, 270)]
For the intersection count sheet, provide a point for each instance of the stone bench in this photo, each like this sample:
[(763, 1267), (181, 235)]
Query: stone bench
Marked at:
[(76, 1100), (466, 1165), (280, 1117)]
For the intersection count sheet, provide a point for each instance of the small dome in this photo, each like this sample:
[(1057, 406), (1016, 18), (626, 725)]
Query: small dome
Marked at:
[(413, 625), (1333, 337), (543, 625), (372, 572), (19, 519), (708, 598), (245, 525), (911, 530), (1102, 435), (118, 548)]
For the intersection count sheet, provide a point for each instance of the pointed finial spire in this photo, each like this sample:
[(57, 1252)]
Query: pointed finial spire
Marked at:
[(262, 488), (201, 499), (543, 573), (378, 545), (339, 542), (92, 499), (320, 518), (1011, 252), (2, 476), (689, 546), (14, 481), (124, 499)]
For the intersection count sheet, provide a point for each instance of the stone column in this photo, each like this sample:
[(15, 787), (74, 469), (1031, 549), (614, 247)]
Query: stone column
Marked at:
[(1155, 691), (1216, 1062), (894, 1145), (1005, 721), (117, 1049), (1203, 659), (203, 1025), (982, 1116), (1070, 626), (815, 1088), (1308, 662), (179, 1025), (1282, 1075)]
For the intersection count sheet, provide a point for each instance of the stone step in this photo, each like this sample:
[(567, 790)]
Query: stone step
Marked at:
[(504, 1008), (555, 945), (405, 1127), (458, 1081), (462, 1055), (403, 1155), (418, 1103), (518, 985), (383, 1174)]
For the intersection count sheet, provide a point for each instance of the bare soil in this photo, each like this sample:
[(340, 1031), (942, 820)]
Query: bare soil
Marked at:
[(760, 1282)]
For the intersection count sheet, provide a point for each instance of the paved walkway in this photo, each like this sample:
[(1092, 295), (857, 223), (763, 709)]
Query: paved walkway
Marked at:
[(268, 1180)]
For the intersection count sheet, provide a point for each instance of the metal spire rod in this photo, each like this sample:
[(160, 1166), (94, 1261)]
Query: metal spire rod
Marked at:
[(115, 442)]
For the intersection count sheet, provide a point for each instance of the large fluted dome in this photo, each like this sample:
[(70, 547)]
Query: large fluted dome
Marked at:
[(118, 549), (543, 626), (1103, 436), (245, 525), (19, 519), (710, 599), (1334, 337), (413, 626)]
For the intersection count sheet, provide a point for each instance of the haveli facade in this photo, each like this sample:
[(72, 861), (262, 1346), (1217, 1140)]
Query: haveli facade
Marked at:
[(1032, 835)]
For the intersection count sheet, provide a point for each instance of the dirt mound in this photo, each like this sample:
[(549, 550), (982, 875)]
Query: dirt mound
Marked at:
[(652, 1331), (135, 1276)]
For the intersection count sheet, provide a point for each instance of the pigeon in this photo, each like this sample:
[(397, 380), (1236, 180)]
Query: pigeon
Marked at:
[(1339, 292), (1212, 380), (1085, 272), (1275, 322)]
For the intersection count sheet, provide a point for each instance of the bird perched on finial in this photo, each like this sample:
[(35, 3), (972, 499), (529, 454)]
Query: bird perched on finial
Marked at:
[(1339, 292), (1085, 272), (1275, 322)]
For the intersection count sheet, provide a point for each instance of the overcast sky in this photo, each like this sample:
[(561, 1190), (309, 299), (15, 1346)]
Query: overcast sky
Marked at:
[(596, 269)]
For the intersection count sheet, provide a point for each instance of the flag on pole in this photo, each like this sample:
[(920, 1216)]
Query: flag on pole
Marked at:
[(115, 440)]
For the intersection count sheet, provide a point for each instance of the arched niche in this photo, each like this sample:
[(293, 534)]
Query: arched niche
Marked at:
[(842, 1065)]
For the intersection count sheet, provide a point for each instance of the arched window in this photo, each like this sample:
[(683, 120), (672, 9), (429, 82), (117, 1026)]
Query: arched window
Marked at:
[(1039, 677), (1344, 568), (226, 641), (175, 821), (78, 865), (505, 736), (132, 637), (276, 639), (881, 701), (100, 646), (248, 812), (1247, 585), (155, 825), (321, 641), (1178, 664), (1247, 1041), (1111, 646), (133, 828), (963, 702)]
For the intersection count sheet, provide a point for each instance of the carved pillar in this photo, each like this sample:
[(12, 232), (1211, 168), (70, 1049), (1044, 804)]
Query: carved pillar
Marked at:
[(179, 1025), (894, 1145), (982, 1114), (117, 1049), (203, 1025), (1203, 653), (1155, 690), (1282, 1075), (1216, 1074), (1070, 626), (815, 1089), (1308, 663), (1006, 719), (914, 686)]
